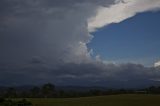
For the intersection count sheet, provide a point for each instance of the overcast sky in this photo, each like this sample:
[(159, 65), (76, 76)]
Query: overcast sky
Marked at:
[(80, 42)]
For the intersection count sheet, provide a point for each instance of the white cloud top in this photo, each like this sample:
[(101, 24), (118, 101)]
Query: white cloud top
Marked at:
[(120, 11)]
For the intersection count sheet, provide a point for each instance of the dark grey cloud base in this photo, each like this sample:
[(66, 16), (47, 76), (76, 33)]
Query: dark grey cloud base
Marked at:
[(45, 41), (98, 74)]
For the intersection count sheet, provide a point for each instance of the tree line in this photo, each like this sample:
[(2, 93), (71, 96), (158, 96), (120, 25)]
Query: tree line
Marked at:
[(49, 91)]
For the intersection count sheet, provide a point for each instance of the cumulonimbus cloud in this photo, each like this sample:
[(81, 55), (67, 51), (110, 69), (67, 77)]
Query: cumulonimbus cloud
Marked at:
[(60, 31), (48, 38)]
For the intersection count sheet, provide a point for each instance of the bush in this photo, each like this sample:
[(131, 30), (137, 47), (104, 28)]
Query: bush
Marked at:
[(9, 102)]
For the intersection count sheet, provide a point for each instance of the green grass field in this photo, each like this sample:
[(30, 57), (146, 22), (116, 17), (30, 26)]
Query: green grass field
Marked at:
[(113, 100)]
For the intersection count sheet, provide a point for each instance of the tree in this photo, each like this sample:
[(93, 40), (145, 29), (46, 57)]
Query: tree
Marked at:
[(48, 90), (35, 92)]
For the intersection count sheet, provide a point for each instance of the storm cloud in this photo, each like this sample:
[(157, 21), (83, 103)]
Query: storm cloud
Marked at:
[(86, 74), (46, 41)]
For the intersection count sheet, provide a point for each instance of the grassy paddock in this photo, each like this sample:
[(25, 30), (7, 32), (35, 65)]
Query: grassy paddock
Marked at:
[(113, 100)]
